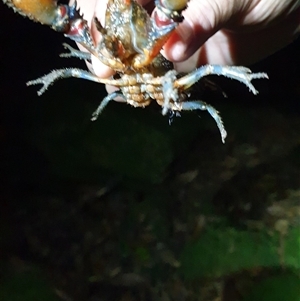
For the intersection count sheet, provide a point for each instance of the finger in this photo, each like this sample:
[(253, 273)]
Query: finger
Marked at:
[(101, 69), (202, 20)]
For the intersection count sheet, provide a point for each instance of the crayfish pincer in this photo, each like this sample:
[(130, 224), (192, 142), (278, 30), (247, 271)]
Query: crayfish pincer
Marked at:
[(130, 45)]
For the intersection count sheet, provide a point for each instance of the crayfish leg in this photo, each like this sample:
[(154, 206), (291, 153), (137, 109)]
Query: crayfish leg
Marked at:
[(75, 53), (239, 73), (55, 75), (105, 102), (201, 105)]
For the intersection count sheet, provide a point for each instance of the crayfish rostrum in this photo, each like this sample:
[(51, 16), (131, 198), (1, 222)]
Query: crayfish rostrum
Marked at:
[(130, 45)]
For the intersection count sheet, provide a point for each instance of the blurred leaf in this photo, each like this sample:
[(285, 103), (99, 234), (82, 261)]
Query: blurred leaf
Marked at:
[(220, 252)]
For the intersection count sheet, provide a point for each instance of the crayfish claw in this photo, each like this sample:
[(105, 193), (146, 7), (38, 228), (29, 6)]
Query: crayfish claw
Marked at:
[(172, 9)]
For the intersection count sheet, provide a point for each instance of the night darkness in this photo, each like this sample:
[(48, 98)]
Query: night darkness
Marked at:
[(82, 200)]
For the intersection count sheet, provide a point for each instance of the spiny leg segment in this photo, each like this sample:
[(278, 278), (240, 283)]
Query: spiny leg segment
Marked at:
[(171, 87), (105, 102), (75, 53), (201, 105), (239, 73), (170, 84), (55, 75)]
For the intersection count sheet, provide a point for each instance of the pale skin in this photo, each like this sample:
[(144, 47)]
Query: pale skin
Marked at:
[(226, 32)]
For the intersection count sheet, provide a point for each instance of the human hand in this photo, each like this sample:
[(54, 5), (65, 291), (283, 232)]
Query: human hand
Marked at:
[(233, 32), (227, 32)]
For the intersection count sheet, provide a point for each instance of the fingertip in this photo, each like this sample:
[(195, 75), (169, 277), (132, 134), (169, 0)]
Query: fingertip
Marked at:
[(180, 46), (200, 23), (174, 48), (101, 69)]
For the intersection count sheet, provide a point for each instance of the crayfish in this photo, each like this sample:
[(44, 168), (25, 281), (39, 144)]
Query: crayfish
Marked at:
[(131, 44)]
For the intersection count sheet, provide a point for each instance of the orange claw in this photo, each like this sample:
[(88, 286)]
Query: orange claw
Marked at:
[(43, 11)]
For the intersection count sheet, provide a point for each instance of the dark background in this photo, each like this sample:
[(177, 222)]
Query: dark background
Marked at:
[(78, 197)]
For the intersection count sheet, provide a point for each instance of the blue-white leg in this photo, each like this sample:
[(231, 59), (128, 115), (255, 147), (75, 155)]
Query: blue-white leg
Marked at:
[(55, 75), (105, 102), (201, 105), (75, 53), (241, 74)]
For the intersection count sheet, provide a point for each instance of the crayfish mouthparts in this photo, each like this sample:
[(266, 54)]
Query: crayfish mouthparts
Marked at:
[(130, 45)]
